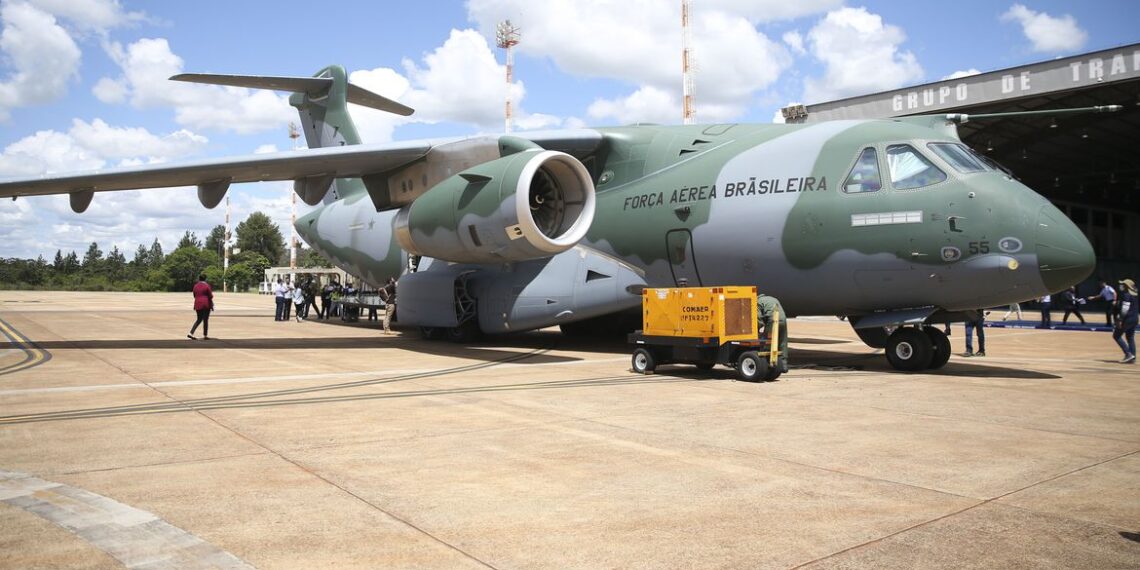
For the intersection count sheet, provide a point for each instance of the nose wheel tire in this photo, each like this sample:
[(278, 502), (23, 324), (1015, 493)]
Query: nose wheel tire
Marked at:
[(910, 350)]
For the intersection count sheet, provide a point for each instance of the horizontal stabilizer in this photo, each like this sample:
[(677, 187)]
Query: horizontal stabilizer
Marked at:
[(313, 86)]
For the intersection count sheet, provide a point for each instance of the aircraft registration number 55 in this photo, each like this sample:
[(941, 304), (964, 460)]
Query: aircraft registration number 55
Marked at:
[(977, 247)]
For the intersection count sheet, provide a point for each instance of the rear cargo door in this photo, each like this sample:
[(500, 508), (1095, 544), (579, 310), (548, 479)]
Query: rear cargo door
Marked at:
[(679, 244)]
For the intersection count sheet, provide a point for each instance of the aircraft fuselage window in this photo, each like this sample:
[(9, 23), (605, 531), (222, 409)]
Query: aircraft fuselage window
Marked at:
[(864, 175), (909, 169), (959, 156)]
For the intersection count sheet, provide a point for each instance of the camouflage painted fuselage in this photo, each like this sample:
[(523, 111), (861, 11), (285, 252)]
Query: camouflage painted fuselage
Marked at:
[(764, 205)]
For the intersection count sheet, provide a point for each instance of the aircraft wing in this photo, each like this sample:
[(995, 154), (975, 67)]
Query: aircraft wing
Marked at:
[(215, 175), (312, 170)]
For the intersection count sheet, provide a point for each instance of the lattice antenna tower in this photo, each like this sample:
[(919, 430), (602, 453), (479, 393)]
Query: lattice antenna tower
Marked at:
[(688, 113), (507, 37)]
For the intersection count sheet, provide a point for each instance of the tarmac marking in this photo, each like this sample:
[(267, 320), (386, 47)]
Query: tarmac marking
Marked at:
[(34, 355), (137, 538), (254, 379)]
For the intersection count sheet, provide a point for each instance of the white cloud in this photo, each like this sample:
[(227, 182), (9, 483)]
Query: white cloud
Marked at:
[(147, 65), (39, 57), (646, 105), (1047, 33), (89, 146), (98, 15), (861, 55), (961, 74), (460, 82), (639, 42), (794, 41)]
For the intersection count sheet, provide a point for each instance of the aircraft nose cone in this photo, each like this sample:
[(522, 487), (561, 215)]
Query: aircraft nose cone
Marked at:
[(1065, 257)]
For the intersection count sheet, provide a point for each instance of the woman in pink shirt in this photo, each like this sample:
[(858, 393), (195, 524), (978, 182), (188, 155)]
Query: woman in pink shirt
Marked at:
[(203, 304)]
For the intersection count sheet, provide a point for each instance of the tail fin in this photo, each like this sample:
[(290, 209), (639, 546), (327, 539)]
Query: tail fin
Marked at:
[(322, 102)]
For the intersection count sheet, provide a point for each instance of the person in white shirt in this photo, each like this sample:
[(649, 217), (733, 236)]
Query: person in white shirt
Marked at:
[(1046, 307), (298, 300), (279, 291), (1108, 294)]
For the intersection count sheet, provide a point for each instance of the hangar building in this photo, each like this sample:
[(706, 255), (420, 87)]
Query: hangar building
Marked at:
[(1088, 165)]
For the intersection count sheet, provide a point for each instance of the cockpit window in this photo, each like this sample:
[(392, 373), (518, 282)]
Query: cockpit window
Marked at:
[(864, 176), (959, 156), (909, 169)]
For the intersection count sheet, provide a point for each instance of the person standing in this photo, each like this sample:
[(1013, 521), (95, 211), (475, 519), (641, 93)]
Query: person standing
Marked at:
[(1073, 305), (298, 301), (325, 310), (279, 295), (203, 304), (310, 297), (1109, 296), (1046, 306), (388, 294), (287, 302), (1013, 308), (978, 323), (1124, 333)]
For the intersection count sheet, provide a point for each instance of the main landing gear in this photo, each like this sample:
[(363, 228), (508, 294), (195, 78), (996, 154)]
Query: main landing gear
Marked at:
[(910, 349)]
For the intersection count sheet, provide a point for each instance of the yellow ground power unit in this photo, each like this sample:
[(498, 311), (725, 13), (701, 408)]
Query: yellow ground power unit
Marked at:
[(705, 326)]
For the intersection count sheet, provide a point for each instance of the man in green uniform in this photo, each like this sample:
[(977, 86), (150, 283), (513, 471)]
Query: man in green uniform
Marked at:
[(766, 306)]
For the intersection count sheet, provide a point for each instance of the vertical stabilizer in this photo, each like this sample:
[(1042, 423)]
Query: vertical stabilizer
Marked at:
[(326, 122)]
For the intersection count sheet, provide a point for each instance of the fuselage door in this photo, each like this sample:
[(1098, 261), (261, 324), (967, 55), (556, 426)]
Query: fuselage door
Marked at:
[(683, 263)]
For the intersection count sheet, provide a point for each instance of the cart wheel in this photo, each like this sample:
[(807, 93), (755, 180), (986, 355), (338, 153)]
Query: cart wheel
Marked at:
[(643, 361), (750, 367), (705, 365)]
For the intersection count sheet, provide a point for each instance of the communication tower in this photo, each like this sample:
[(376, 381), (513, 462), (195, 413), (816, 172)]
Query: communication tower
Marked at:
[(293, 134), (507, 37), (688, 113)]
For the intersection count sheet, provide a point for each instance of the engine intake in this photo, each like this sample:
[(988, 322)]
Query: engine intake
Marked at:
[(529, 205)]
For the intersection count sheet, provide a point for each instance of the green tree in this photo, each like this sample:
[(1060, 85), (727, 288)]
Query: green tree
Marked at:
[(154, 256), (240, 277), (58, 263), (189, 240), (70, 263), (93, 259), (259, 234), (256, 263), (115, 266), (216, 240), (311, 258), (185, 264)]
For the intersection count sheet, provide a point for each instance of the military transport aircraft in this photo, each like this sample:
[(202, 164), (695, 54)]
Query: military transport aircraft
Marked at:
[(894, 223)]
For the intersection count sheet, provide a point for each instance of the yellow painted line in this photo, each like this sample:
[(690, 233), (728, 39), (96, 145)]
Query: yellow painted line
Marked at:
[(33, 355)]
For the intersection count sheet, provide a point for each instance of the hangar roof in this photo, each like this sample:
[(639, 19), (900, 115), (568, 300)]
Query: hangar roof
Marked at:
[(1091, 159)]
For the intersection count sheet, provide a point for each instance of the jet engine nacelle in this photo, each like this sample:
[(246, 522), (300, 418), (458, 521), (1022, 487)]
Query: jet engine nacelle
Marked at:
[(529, 205)]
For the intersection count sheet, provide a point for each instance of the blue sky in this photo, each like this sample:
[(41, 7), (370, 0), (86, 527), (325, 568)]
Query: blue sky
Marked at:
[(82, 82)]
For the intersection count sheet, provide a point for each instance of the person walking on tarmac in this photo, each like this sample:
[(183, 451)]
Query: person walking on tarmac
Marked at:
[(766, 307), (388, 294), (1073, 304), (203, 304), (1126, 319)]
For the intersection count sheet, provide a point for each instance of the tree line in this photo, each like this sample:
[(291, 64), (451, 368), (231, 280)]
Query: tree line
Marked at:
[(259, 240)]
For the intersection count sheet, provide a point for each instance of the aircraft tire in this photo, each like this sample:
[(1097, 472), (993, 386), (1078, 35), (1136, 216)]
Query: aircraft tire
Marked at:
[(910, 350), (941, 347), (750, 367), (643, 361)]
